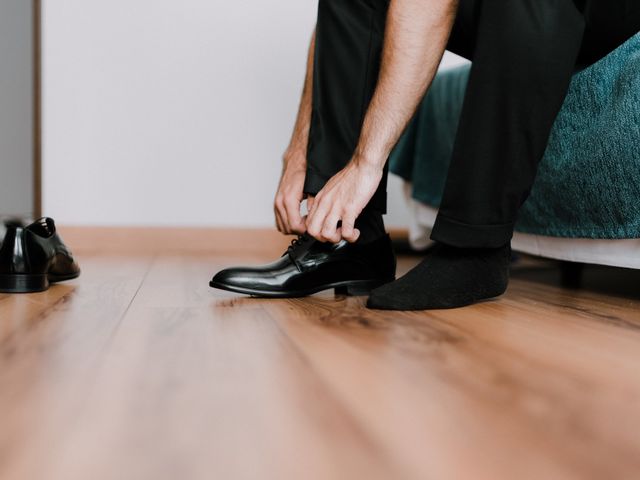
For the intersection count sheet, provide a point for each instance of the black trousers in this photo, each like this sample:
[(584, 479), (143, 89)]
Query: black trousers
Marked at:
[(524, 53)]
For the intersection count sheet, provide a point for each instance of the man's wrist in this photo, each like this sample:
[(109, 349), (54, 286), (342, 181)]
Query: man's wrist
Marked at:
[(295, 157), (369, 160)]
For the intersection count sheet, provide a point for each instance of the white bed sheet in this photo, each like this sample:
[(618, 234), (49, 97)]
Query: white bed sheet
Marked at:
[(615, 253)]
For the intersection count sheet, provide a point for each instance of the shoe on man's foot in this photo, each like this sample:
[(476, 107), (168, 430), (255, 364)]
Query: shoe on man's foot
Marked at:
[(32, 257), (448, 277), (309, 266)]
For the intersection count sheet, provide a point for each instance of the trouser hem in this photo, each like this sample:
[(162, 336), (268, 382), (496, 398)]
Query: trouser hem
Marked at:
[(313, 183), (465, 235)]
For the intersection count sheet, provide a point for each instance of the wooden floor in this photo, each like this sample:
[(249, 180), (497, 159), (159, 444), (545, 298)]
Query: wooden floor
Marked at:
[(139, 371)]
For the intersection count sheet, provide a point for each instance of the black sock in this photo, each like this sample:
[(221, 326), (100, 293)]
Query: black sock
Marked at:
[(448, 277), (371, 226)]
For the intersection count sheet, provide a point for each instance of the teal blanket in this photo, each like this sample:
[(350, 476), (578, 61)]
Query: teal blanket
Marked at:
[(588, 183)]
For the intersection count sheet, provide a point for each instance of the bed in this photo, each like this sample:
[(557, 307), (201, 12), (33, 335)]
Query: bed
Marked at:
[(585, 204)]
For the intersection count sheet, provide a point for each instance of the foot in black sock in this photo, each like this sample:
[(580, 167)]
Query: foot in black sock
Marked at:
[(449, 277)]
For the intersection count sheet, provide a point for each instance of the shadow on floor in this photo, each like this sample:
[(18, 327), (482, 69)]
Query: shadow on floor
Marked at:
[(619, 282)]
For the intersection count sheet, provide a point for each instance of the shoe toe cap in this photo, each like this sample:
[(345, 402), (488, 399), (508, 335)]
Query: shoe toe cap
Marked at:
[(242, 277), (229, 276)]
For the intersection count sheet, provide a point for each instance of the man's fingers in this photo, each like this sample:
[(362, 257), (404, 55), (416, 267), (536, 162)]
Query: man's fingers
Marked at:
[(348, 230), (282, 227), (282, 211), (316, 219), (276, 214), (330, 228), (310, 201), (296, 225)]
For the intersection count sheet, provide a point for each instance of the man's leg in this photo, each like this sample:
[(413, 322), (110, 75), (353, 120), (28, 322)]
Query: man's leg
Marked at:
[(347, 55), (524, 53), (524, 57), (349, 40), (609, 24)]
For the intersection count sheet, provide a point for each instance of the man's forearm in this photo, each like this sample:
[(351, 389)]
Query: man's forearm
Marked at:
[(416, 35), (300, 137)]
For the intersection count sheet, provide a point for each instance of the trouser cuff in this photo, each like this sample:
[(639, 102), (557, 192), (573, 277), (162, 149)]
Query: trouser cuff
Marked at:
[(313, 183), (465, 235)]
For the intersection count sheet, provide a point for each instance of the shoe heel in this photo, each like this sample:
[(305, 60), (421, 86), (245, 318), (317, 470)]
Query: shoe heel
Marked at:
[(21, 283), (357, 289)]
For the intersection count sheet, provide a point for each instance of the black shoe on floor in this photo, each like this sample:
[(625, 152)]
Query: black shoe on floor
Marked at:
[(309, 266), (32, 257), (6, 225)]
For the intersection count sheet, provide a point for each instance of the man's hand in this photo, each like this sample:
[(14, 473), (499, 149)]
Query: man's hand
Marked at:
[(342, 200), (416, 34), (290, 194)]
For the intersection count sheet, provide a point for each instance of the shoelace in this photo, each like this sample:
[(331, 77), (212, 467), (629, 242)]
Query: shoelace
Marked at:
[(295, 244)]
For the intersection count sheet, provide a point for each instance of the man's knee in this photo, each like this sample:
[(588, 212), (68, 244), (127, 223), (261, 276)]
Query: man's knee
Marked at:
[(354, 10), (524, 29)]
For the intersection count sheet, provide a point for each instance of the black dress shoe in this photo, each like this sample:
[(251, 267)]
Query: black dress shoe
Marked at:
[(7, 224), (309, 266), (32, 257)]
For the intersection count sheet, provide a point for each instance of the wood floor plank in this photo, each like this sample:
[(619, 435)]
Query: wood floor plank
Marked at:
[(50, 345)]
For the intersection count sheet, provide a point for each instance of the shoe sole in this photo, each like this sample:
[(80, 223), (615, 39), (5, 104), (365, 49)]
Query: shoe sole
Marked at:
[(348, 288), (25, 283)]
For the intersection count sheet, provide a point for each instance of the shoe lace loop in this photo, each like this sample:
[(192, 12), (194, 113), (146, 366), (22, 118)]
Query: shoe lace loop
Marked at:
[(295, 244)]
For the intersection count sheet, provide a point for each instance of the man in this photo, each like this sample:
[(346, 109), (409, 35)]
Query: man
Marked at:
[(369, 65)]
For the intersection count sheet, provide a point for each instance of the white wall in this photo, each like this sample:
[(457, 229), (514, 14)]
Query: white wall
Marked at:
[(165, 112)]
